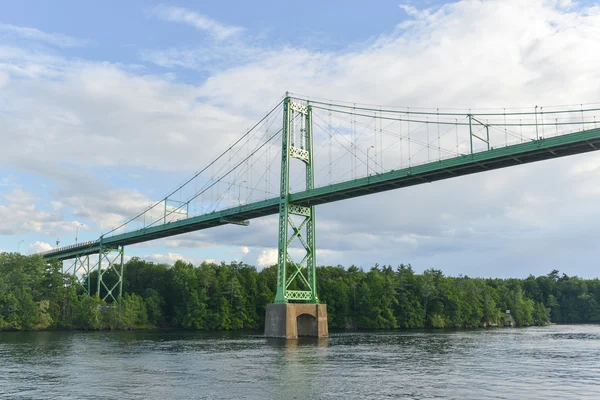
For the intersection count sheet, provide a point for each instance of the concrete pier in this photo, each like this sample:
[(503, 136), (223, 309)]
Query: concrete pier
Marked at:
[(295, 320)]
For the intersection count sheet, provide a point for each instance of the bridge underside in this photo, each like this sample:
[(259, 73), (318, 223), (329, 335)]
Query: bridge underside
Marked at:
[(523, 153)]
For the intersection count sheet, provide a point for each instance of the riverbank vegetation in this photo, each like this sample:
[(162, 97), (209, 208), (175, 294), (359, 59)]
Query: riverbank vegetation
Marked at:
[(36, 295)]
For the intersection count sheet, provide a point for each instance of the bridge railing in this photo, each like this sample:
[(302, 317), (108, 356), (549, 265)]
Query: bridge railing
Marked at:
[(78, 246)]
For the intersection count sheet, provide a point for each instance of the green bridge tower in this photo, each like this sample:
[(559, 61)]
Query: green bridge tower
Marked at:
[(296, 310)]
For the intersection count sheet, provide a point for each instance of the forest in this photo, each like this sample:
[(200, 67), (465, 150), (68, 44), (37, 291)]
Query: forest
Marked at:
[(36, 295)]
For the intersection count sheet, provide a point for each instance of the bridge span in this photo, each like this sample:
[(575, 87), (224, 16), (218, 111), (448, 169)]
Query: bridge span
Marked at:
[(410, 147), (518, 154)]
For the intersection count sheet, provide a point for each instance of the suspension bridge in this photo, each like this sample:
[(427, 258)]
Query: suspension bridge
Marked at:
[(305, 152)]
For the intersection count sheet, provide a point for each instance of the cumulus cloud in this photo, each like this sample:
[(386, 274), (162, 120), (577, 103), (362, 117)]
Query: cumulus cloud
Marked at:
[(168, 258), (267, 257), (145, 110), (39, 247), (21, 214), (110, 208), (483, 54)]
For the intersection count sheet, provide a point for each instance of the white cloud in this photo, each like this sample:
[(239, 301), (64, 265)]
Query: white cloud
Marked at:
[(244, 250), (39, 247), (448, 48), (267, 257), (56, 39), (145, 110), (105, 207), (201, 22), (110, 208), (168, 258), (20, 214)]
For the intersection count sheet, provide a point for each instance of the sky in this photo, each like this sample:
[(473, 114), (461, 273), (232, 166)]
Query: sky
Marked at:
[(105, 106)]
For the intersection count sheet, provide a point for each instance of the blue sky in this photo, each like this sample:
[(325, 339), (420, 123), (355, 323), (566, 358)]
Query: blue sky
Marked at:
[(134, 27), (105, 106)]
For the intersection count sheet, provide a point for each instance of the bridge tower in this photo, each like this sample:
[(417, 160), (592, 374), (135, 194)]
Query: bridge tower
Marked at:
[(296, 310)]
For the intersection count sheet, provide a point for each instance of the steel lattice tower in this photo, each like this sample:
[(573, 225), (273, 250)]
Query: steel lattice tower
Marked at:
[(296, 115)]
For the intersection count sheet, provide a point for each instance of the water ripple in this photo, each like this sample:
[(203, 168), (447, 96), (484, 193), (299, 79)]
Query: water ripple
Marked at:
[(553, 362)]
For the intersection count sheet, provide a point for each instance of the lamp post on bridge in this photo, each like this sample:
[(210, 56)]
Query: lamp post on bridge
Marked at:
[(240, 192), (77, 231), (537, 135), (19, 245), (369, 148)]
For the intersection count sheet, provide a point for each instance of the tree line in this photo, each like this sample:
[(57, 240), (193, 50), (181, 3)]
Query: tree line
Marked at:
[(35, 295)]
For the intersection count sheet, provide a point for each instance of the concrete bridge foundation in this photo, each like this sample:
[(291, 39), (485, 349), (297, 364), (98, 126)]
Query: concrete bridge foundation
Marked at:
[(295, 320)]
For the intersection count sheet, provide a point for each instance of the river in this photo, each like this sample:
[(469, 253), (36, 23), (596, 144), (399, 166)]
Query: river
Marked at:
[(554, 362)]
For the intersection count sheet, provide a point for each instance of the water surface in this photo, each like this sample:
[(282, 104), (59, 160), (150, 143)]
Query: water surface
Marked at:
[(554, 362)]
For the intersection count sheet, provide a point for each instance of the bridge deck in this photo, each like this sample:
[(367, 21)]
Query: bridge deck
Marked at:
[(522, 153)]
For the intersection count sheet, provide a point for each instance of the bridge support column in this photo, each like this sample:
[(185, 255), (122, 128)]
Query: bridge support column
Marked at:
[(110, 273), (296, 225), (80, 269), (291, 321)]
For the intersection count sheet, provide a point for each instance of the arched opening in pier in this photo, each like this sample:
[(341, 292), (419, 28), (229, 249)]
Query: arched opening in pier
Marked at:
[(306, 325)]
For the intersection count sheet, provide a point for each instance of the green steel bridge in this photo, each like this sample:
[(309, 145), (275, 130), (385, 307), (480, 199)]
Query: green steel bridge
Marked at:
[(306, 152)]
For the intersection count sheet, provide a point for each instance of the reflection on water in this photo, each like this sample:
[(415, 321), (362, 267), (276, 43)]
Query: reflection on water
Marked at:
[(537, 363)]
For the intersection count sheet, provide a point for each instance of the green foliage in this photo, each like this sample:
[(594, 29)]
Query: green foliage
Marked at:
[(36, 295), (129, 313), (89, 312), (154, 307), (541, 314), (437, 321)]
